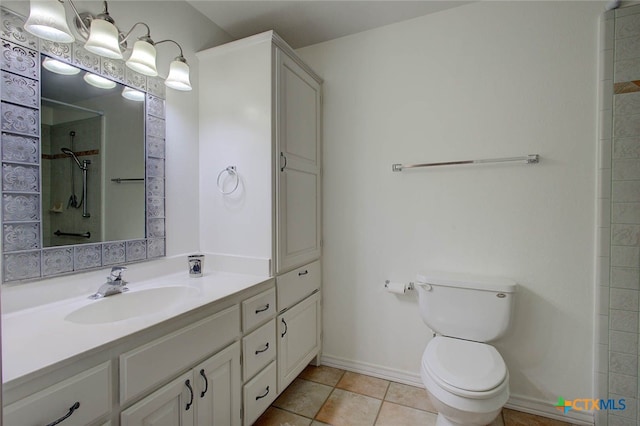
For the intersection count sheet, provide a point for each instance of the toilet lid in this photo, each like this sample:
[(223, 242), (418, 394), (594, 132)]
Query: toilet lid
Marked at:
[(463, 364)]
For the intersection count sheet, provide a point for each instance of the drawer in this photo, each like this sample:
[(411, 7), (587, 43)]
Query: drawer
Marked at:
[(294, 286), (258, 349), (91, 389), (259, 393), (258, 309), (157, 361)]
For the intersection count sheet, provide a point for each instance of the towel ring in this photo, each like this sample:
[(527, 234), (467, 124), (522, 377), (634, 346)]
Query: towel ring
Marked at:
[(231, 170)]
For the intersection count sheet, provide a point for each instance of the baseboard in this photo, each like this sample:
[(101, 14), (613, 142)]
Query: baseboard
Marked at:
[(516, 402)]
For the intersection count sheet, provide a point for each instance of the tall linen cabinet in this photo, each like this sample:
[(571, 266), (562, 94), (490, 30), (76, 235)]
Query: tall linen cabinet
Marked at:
[(260, 182)]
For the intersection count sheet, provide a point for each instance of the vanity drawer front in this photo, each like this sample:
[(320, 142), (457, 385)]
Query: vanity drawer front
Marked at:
[(259, 393), (258, 348), (91, 389), (157, 361), (258, 309), (294, 286)]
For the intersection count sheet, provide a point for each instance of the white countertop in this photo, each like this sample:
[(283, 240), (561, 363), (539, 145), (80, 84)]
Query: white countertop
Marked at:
[(39, 337)]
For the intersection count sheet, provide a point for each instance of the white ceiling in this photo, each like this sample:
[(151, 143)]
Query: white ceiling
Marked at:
[(307, 22)]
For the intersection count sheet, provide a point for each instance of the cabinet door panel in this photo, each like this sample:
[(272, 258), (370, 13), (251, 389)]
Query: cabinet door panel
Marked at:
[(164, 407), (299, 216), (218, 388), (298, 339)]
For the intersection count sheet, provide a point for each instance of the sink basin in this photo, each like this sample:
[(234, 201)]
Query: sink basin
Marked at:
[(131, 305)]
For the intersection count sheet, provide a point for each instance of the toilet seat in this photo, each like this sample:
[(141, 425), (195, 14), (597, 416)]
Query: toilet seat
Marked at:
[(465, 368)]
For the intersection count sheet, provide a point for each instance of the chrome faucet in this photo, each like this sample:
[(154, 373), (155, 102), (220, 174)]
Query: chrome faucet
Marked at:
[(114, 285)]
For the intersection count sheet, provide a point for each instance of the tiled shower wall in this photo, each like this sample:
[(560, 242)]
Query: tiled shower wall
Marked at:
[(617, 357)]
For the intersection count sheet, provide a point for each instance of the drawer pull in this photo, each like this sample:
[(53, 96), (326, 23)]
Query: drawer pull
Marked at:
[(305, 272), (190, 403), (206, 383), (285, 328), (263, 395), (266, 348), (73, 408), (264, 308)]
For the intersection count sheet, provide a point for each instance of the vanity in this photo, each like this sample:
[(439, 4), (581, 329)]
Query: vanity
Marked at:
[(216, 350)]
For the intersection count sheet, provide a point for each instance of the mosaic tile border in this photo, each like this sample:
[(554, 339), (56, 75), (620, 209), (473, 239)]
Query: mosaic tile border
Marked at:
[(23, 256)]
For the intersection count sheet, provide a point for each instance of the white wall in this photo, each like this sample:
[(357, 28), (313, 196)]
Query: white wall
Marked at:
[(485, 80)]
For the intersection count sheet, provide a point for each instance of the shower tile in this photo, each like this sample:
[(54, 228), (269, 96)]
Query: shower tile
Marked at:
[(625, 278), (87, 256), (20, 178), (603, 329), (623, 363), (625, 191), (22, 149), (623, 384), (626, 169), (626, 147), (20, 120), (626, 70), (603, 300), (627, 48), (627, 26), (20, 207), (627, 104), (20, 236), (20, 266), (620, 341), (113, 253), (623, 321), (602, 271), (56, 261), (631, 405), (624, 299), (136, 250), (625, 213), (602, 358), (625, 256), (12, 30), (626, 126), (625, 235), (20, 90), (614, 420), (20, 60)]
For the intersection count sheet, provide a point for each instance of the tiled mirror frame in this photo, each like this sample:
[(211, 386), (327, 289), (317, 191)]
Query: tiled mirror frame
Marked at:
[(23, 257)]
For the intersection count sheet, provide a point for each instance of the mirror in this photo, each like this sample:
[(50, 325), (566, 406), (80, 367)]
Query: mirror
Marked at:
[(92, 149), (54, 138)]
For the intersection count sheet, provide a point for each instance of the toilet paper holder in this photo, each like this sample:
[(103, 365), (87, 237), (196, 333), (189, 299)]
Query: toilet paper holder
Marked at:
[(410, 286)]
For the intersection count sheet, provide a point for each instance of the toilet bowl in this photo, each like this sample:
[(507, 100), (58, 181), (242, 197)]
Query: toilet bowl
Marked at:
[(466, 379), (467, 382)]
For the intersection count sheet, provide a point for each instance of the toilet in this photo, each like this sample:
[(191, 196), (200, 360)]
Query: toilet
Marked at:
[(466, 378)]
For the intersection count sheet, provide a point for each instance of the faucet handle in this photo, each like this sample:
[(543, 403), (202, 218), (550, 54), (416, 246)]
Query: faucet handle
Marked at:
[(116, 273)]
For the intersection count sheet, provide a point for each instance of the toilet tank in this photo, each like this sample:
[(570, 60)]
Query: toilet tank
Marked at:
[(466, 306)]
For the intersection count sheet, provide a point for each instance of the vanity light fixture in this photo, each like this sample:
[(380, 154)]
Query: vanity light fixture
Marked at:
[(48, 21), (59, 67), (133, 94), (98, 81)]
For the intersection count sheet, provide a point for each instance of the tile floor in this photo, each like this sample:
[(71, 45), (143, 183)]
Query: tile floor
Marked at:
[(329, 396)]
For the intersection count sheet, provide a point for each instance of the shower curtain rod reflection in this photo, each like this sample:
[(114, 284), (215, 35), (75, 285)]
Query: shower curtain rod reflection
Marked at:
[(54, 101), (528, 159)]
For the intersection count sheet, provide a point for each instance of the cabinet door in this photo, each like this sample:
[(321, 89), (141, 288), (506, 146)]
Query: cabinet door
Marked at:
[(171, 405), (298, 174), (298, 339), (217, 388)]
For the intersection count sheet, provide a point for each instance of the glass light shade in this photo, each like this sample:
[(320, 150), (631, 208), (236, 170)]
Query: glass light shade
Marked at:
[(133, 94), (178, 76), (103, 39), (47, 20), (143, 58), (59, 67), (99, 82)]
